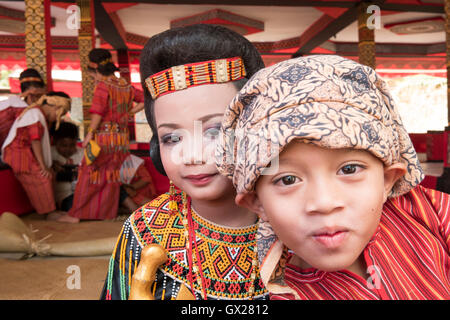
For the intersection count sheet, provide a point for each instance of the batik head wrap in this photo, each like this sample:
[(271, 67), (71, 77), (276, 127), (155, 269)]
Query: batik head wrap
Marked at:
[(326, 100)]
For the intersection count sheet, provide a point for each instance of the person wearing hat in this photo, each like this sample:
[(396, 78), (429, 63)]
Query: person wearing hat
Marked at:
[(99, 177), (27, 149), (316, 147), (32, 87)]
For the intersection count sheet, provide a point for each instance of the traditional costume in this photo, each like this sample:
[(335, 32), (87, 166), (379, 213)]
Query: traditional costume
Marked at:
[(99, 182), (228, 264), (10, 109), (18, 154), (213, 261), (336, 103), (133, 170)]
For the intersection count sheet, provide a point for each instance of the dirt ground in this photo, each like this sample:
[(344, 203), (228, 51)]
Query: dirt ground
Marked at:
[(55, 277)]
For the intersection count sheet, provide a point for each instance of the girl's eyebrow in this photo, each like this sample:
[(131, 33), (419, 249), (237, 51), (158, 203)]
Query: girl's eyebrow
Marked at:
[(210, 116), (202, 119)]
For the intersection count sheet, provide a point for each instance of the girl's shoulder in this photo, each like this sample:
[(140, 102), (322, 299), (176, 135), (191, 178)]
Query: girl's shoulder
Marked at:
[(153, 221)]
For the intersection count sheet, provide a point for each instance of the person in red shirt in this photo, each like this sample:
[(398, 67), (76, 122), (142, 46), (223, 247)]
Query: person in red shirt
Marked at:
[(27, 150), (316, 147), (137, 185), (112, 103)]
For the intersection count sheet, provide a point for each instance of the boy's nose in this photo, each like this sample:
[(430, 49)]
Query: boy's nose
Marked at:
[(323, 197)]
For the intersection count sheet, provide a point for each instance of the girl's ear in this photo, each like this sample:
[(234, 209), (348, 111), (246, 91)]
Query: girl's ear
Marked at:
[(251, 202), (391, 175)]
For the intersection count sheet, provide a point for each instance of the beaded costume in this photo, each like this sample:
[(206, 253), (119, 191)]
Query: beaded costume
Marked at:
[(100, 181), (226, 255)]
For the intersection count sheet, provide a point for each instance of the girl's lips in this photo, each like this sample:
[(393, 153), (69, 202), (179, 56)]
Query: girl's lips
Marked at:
[(331, 238), (200, 179)]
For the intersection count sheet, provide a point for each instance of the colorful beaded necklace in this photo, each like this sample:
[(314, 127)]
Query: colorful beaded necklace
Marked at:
[(193, 252)]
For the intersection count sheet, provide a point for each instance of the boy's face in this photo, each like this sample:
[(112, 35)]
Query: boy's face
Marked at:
[(324, 204), (66, 146)]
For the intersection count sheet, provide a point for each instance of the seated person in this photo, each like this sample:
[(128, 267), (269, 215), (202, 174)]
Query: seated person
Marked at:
[(66, 157), (342, 213), (137, 186)]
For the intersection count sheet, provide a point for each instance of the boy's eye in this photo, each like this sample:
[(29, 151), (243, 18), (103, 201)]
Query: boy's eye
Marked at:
[(349, 169), (287, 180), (212, 133)]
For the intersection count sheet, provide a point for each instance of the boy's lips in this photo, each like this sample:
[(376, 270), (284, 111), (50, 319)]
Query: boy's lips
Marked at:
[(330, 237)]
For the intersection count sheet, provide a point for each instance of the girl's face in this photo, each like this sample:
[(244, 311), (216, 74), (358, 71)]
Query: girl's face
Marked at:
[(33, 94), (325, 204), (188, 124)]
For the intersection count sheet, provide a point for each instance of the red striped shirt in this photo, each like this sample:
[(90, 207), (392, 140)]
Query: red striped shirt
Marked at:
[(408, 257)]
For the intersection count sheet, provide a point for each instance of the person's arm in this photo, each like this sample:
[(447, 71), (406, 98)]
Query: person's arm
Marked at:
[(98, 109), (139, 98), (96, 119), (138, 107), (124, 259), (139, 184)]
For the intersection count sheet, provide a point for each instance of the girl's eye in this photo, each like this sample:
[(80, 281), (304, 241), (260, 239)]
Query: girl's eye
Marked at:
[(170, 138), (350, 169), (287, 180)]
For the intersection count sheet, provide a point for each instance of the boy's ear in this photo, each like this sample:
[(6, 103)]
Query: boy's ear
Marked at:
[(391, 175), (251, 202)]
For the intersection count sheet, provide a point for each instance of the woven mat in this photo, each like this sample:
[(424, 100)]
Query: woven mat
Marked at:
[(52, 279), (57, 278)]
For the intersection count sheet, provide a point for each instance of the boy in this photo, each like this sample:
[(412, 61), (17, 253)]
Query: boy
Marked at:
[(66, 157), (342, 215)]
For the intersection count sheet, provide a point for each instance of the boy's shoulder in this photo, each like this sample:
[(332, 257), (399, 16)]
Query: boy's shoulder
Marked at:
[(428, 207), (152, 222)]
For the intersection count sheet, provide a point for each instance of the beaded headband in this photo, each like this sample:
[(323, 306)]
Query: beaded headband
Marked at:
[(94, 65), (195, 74), (30, 79)]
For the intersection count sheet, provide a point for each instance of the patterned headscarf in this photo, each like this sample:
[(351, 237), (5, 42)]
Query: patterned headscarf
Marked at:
[(325, 100)]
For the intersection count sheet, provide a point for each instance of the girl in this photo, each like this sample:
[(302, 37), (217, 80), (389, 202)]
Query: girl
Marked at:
[(99, 182), (190, 74), (27, 149), (32, 87)]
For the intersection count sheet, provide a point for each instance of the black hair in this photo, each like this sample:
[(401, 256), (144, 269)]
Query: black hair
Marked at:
[(297, 55), (65, 130), (102, 58), (190, 44), (30, 73)]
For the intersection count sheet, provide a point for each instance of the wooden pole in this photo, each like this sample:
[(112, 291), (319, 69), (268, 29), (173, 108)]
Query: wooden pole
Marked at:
[(366, 37), (86, 42), (38, 48)]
